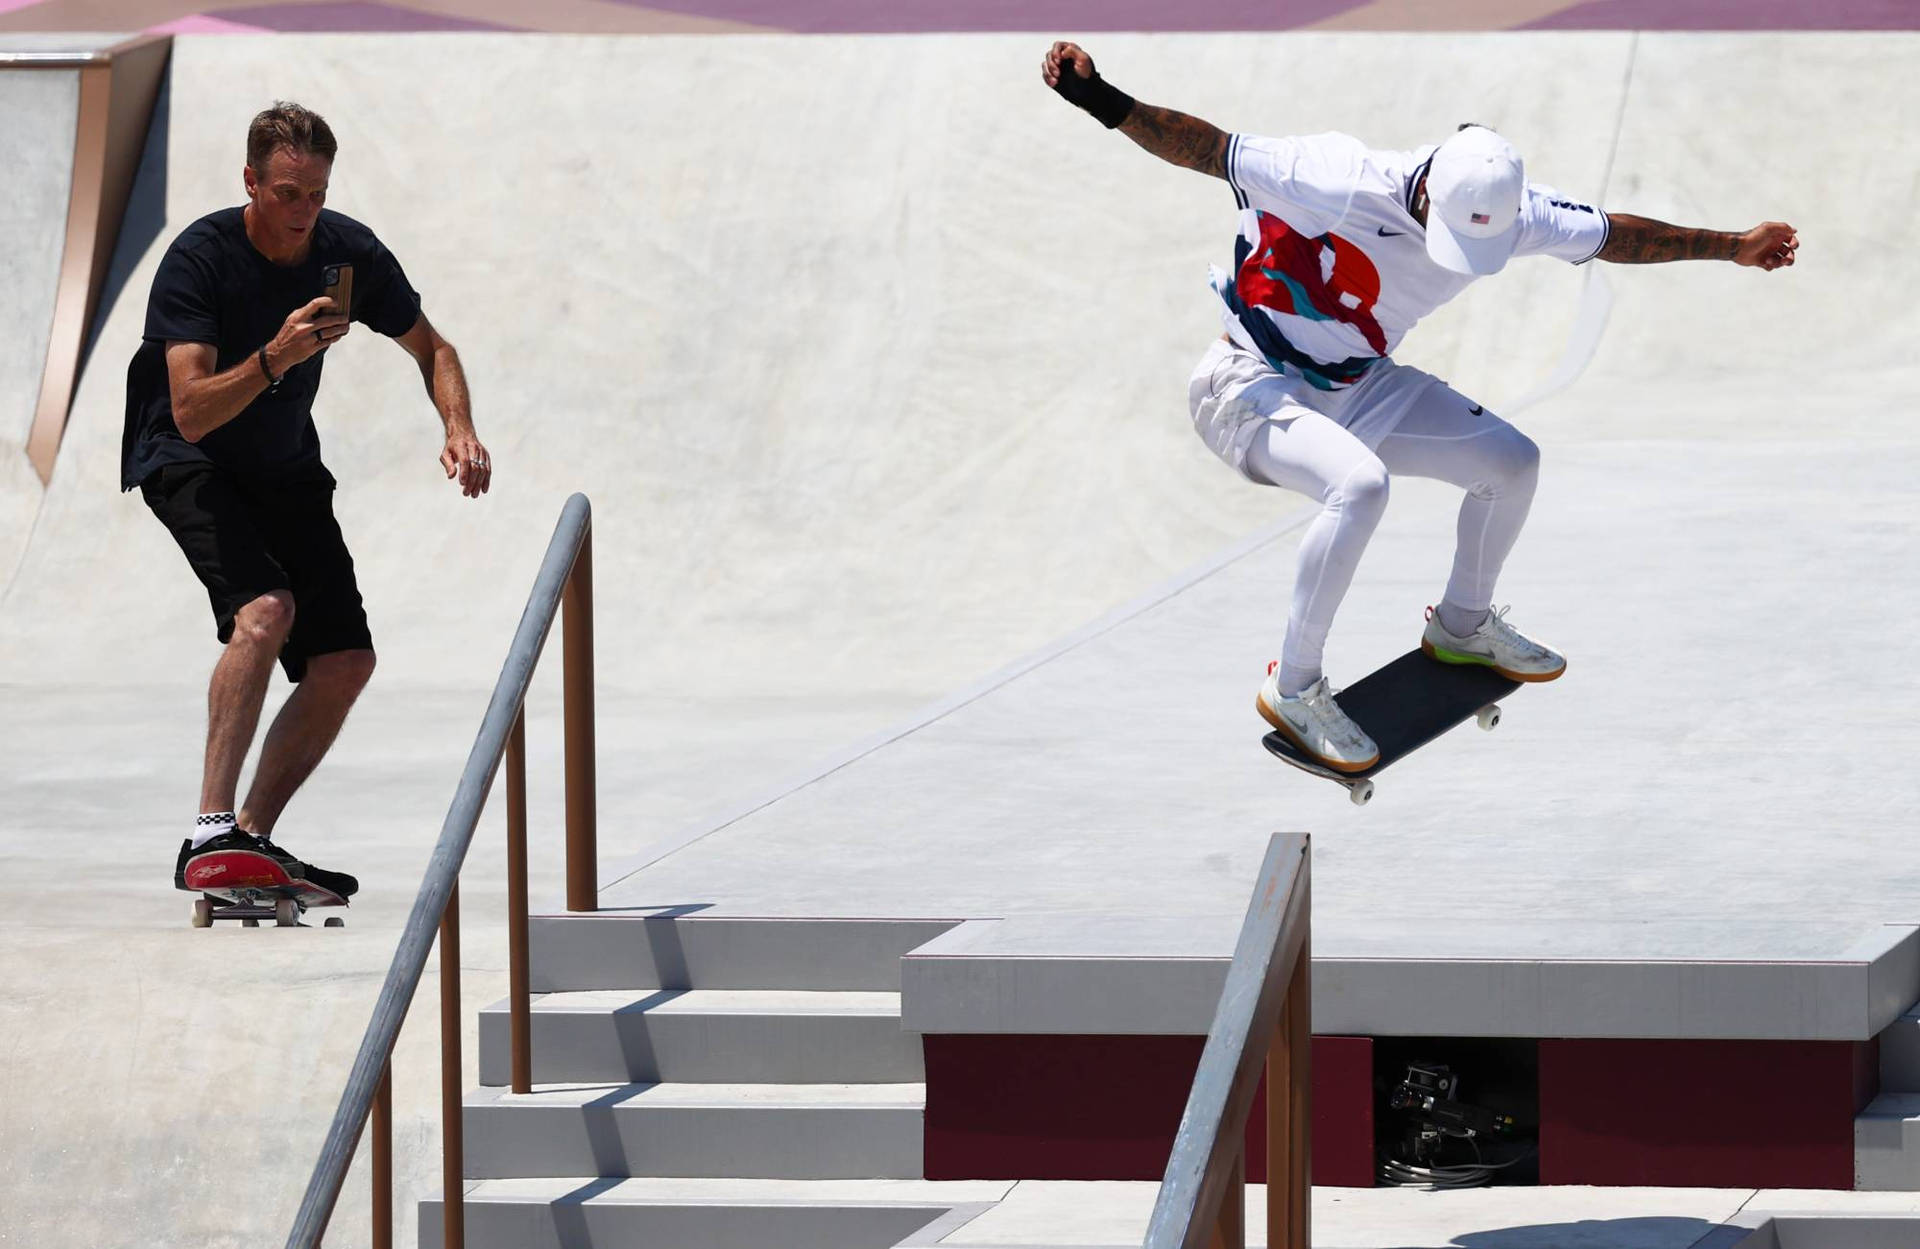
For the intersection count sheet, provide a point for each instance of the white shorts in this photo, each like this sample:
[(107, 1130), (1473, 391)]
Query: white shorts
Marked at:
[(1233, 392)]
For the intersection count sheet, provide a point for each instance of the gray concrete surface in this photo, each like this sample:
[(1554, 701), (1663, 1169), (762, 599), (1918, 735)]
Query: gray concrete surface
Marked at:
[(1680, 771), (877, 383), (1111, 1215)]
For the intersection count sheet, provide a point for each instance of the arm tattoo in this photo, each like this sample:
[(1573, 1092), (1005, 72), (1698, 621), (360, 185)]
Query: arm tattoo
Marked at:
[(1643, 241), (1178, 138)]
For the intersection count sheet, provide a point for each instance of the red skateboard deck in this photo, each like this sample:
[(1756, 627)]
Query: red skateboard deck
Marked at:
[(249, 886)]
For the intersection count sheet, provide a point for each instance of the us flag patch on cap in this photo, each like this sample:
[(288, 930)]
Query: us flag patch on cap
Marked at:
[(1481, 219)]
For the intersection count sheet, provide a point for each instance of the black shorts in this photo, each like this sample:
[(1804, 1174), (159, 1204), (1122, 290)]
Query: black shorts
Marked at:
[(244, 541)]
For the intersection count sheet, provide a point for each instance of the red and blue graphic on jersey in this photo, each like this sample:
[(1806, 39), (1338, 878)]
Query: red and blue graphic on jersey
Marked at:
[(1287, 272)]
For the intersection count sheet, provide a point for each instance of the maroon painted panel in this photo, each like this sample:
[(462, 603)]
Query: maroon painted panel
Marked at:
[(1107, 1107), (1708, 1114), (1342, 1112)]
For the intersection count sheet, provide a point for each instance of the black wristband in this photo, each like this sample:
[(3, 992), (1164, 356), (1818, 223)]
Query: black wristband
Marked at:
[(1108, 103), (272, 381)]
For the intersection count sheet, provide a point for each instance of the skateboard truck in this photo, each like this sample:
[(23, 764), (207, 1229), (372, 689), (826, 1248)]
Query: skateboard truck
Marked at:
[(285, 912)]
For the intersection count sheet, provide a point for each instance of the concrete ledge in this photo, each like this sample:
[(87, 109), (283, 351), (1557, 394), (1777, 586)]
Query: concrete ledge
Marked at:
[(1678, 980)]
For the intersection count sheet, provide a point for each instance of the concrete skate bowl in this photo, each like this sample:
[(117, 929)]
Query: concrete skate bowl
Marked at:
[(877, 381), (770, 365)]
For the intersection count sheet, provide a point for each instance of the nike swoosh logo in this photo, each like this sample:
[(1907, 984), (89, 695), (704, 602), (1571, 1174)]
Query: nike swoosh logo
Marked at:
[(1390, 234), (1475, 410)]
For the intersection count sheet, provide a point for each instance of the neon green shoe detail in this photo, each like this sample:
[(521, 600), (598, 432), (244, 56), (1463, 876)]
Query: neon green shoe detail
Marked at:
[(1496, 645), (1446, 656)]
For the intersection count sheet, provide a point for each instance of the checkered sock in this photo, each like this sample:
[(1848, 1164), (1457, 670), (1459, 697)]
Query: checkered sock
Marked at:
[(209, 825)]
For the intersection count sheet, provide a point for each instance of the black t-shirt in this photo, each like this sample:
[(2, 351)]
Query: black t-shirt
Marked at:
[(214, 287)]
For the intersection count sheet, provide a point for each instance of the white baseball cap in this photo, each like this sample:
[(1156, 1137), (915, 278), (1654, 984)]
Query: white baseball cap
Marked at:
[(1475, 184)]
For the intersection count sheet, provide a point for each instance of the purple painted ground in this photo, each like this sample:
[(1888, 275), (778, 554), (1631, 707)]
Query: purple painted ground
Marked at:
[(1735, 15), (347, 15), (1069, 17)]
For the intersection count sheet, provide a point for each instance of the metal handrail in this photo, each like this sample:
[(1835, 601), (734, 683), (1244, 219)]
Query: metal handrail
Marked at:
[(1264, 1013), (565, 571)]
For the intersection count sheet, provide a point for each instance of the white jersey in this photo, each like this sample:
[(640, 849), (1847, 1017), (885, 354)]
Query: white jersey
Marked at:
[(1331, 268)]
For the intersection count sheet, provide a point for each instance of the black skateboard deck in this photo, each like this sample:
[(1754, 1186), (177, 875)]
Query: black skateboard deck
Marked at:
[(249, 886), (1403, 706)]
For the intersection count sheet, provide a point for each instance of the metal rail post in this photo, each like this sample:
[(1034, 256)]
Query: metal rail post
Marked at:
[(1230, 1228), (1290, 1110), (576, 611), (452, 1156), (382, 1130), (519, 997)]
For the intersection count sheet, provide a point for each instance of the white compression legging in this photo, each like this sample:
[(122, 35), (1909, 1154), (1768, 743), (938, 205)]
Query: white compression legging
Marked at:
[(1441, 436)]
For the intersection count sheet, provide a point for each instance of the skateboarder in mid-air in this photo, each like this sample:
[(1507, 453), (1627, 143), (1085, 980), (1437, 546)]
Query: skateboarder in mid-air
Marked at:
[(1342, 249), (220, 440)]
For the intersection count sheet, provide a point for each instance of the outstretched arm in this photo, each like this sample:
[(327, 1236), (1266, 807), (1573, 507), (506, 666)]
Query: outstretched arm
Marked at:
[(1173, 136), (463, 456), (1643, 241)]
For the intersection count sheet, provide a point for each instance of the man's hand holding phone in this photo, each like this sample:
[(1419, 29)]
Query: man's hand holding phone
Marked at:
[(309, 329)]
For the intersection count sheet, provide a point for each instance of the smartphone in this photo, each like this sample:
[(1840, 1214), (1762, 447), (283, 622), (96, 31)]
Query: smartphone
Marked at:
[(337, 285)]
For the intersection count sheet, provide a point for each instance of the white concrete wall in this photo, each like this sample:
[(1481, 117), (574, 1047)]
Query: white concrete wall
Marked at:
[(38, 109)]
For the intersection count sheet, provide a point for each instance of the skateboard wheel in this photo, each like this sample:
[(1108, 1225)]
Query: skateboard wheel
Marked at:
[(203, 913), (1488, 716), (334, 921), (286, 913), (249, 923), (1361, 793)]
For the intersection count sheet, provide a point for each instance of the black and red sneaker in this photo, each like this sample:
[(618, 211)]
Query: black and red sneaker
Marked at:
[(341, 883), (233, 840), (240, 839)]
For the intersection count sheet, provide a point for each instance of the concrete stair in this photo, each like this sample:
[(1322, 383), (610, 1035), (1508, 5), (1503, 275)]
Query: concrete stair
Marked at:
[(619, 950), (708, 1083), (1886, 1135), (572, 1212), (759, 1131), (700, 1036)]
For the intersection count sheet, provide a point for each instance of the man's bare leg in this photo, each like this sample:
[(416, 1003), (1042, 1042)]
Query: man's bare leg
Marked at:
[(302, 733), (238, 688)]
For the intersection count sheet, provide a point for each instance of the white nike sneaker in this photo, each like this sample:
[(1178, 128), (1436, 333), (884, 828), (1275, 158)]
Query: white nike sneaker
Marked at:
[(1496, 644), (1312, 721)]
